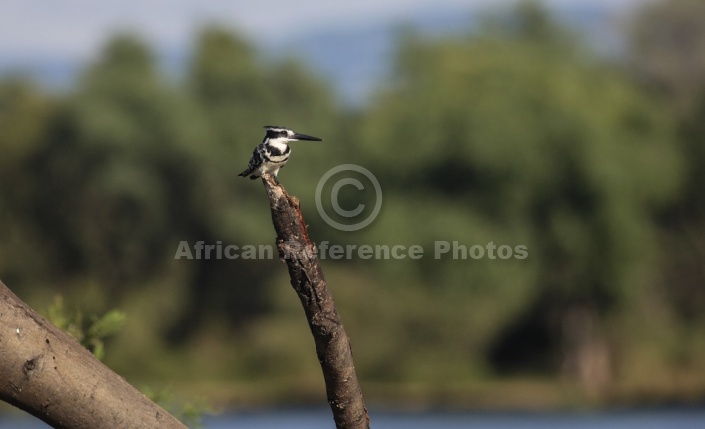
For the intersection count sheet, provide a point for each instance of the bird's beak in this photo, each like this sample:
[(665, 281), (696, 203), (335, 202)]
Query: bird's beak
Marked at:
[(298, 136)]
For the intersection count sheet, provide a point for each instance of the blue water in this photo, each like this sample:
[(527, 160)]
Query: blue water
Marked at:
[(322, 419)]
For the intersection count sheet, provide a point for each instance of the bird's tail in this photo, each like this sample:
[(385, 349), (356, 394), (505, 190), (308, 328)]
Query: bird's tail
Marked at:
[(249, 172)]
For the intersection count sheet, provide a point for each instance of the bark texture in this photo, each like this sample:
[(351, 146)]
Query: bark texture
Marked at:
[(332, 343), (47, 373)]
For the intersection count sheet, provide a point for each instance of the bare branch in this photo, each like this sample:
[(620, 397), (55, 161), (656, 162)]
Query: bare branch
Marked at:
[(46, 372), (332, 343)]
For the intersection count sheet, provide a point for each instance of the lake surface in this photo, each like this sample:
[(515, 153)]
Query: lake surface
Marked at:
[(322, 419)]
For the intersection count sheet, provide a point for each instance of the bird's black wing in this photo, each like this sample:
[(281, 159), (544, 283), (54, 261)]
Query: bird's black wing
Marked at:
[(254, 164)]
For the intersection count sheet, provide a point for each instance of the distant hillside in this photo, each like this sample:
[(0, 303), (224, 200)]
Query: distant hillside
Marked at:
[(353, 58)]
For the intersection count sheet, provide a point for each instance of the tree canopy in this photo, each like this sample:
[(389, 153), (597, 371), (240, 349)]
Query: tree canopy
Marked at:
[(513, 135)]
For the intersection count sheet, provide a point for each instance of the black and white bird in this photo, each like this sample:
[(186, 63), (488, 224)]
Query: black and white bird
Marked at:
[(273, 152)]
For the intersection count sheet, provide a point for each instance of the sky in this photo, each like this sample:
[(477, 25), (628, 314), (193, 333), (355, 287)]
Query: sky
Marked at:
[(76, 29)]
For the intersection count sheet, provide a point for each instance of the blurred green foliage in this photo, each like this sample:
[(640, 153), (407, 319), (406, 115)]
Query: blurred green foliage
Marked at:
[(514, 134), (92, 334), (189, 413)]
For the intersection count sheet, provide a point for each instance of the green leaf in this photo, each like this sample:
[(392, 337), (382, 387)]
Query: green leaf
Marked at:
[(108, 325)]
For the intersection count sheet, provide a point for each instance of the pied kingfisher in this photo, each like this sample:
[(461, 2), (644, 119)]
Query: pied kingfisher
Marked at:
[(273, 152)]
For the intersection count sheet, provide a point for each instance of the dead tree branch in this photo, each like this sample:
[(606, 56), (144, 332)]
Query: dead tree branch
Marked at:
[(46, 372), (332, 343)]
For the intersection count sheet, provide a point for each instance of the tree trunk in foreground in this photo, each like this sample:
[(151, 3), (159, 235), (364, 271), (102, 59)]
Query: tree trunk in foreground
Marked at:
[(332, 343), (46, 372)]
